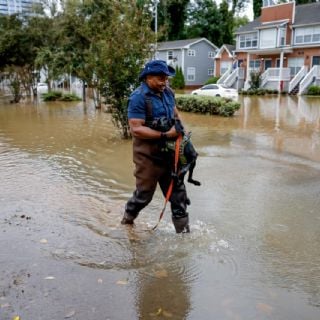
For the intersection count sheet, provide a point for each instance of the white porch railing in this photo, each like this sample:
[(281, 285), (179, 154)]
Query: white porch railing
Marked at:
[(224, 76), (273, 74), (309, 78), (236, 74), (297, 78)]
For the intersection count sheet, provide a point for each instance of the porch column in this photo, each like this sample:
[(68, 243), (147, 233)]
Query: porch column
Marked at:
[(248, 77), (280, 86)]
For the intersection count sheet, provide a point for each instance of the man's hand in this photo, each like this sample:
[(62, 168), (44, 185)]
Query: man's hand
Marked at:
[(172, 133)]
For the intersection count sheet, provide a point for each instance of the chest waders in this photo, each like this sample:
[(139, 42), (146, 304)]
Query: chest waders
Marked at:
[(153, 166)]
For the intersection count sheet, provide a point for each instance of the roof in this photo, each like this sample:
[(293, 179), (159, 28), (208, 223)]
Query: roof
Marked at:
[(228, 47), (181, 44), (251, 26), (305, 14)]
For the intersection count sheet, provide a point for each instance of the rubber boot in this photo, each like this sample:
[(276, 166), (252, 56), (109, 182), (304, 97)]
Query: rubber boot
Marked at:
[(181, 224), (127, 219)]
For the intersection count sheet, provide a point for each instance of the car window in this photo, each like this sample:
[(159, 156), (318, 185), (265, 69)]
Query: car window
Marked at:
[(208, 87)]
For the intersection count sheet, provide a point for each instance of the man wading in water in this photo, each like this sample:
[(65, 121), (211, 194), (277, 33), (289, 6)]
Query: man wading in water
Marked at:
[(152, 114)]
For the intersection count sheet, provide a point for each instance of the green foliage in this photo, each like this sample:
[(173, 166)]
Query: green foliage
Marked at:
[(257, 5), (207, 105), (52, 96), (314, 90), (177, 81), (59, 96), (172, 16), (255, 80), (212, 80), (208, 20), (258, 92)]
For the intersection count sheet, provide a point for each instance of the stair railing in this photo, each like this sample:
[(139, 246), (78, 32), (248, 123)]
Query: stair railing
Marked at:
[(297, 78)]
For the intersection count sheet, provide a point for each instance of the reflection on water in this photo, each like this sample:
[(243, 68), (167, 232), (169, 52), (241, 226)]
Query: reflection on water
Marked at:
[(254, 248)]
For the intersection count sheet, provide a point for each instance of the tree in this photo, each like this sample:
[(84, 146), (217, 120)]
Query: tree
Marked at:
[(257, 5), (204, 17), (226, 24), (238, 5), (20, 40), (177, 81)]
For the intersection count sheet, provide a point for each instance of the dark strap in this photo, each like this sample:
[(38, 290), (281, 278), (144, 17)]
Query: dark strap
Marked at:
[(148, 102), (149, 114)]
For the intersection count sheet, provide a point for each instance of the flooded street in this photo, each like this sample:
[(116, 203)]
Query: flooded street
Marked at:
[(254, 247)]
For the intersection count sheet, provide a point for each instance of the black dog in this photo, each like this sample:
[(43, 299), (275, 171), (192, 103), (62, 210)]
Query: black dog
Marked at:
[(188, 156)]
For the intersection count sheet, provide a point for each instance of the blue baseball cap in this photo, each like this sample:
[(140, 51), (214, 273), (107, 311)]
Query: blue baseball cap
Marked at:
[(156, 67)]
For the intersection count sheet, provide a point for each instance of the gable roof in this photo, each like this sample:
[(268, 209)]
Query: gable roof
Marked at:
[(227, 47), (305, 14), (182, 44)]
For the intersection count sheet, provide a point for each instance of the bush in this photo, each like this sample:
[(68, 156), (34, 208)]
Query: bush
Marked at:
[(212, 80), (259, 92), (255, 80), (207, 105), (314, 90), (178, 80), (59, 96)]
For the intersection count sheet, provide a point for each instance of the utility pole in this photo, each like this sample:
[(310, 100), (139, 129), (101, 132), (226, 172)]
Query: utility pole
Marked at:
[(156, 26)]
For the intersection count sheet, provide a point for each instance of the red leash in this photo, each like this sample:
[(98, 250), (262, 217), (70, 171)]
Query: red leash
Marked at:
[(169, 191)]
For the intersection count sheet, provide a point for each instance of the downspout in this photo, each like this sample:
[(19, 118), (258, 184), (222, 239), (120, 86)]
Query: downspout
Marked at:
[(182, 62)]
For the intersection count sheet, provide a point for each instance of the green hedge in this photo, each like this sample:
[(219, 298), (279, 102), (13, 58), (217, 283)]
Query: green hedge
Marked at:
[(59, 96), (314, 90), (207, 105), (258, 92)]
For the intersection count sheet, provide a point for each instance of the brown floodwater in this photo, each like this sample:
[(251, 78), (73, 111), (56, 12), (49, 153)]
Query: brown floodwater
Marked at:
[(254, 249)]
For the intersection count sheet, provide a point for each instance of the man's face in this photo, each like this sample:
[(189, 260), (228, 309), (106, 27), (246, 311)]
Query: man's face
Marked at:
[(157, 82)]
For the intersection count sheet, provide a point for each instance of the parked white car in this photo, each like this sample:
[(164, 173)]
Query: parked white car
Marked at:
[(42, 87), (216, 90)]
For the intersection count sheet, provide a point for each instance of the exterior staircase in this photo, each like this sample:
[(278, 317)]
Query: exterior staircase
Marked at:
[(294, 85)]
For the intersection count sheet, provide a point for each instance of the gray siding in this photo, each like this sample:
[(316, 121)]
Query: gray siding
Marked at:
[(201, 62)]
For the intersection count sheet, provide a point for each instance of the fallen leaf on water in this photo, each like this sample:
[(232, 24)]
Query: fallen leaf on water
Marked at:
[(43, 241), (122, 282), (265, 308), (156, 314), (16, 318), (5, 305), (161, 274), (49, 278), (70, 314)]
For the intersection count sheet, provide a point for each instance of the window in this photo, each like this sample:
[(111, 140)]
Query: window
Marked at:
[(249, 40), (210, 72), (254, 65), (170, 55), (191, 53), (268, 38), (282, 37), (191, 74), (225, 66), (307, 35), (211, 54), (295, 65)]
